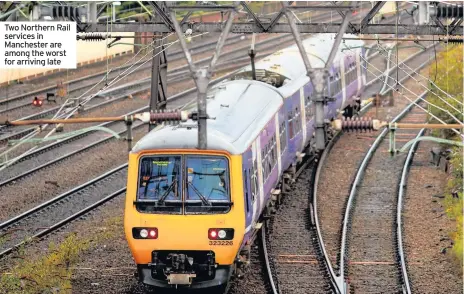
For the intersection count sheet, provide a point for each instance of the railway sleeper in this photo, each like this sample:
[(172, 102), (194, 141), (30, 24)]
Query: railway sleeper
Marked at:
[(243, 259)]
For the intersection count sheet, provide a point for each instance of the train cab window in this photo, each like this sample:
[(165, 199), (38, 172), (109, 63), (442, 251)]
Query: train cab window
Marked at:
[(160, 185), (207, 185)]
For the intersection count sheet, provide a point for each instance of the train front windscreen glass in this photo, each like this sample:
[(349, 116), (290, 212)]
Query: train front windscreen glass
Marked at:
[(190, 184)]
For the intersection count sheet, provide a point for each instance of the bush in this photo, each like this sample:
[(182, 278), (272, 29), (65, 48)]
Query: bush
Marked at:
[(47, 274), (448, 75), (51, 273)]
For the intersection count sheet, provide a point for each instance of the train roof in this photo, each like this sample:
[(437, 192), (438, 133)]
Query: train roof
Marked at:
[(241, 108), (288, 61), (237, 115)]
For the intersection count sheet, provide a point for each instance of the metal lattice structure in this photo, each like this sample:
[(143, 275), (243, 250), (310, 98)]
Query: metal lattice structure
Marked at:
[(87, 18), (164, 19)]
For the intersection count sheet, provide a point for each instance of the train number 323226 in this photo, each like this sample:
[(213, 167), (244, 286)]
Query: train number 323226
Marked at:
[(221, 243)]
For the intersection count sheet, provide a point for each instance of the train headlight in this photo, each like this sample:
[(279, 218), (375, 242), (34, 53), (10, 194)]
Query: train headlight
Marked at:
[(220, 234), (143, 233)]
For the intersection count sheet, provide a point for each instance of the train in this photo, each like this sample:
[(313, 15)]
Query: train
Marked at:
[(191, 215)]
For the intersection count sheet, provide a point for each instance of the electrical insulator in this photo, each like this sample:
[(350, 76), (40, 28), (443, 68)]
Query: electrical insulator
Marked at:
[(91, 37), (454, 41), (167, 116), (70, 12), (448, 11), (355, 124)]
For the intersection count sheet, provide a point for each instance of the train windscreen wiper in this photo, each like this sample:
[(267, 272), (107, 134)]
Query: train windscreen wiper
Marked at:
[(203, 199), (166, 194)]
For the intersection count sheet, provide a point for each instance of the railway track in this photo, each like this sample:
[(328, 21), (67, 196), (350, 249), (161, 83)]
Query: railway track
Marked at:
[(78, 86), (293, 247), (374, 227), (370, 251), (39, 222), (308, 269), (399, 213), (232, 60), (81, 84), (39, 210)]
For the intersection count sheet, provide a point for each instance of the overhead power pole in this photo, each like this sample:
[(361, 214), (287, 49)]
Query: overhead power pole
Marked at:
[(159, 69), (318, 76), (202, 76)]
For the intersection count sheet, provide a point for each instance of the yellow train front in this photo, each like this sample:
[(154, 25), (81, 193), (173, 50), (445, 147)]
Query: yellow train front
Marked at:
[(183, 223)]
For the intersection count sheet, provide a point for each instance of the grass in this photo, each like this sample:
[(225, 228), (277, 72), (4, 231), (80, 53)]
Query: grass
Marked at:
[(448, 75), (52, 272)]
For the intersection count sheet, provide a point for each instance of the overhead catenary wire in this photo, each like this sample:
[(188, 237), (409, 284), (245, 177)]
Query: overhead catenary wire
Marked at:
[(70, 112), (416, 80), (399, 84)]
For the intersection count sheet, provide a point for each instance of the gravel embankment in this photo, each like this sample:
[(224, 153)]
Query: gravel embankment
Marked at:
[(432, 268)]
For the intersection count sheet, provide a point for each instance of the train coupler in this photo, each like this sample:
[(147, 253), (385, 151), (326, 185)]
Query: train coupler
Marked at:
[(181, 267)]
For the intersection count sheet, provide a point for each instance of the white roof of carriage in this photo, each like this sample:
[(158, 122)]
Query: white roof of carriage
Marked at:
[(240, 109), (288, 61), (237, 114)]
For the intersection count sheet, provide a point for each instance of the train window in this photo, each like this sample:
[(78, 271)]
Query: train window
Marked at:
[(254, 181), (297, 123), (290, 124), (283, 138), (246, 173), (159, 185), (207, 184), (274, 150)]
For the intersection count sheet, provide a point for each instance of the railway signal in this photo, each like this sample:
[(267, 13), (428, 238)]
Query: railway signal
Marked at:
[(37, 102)]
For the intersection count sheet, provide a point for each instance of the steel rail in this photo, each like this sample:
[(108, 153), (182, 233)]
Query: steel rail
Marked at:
[(178, 54), (64, 222), (63, 157), (354, 186), (267, 262), (173, 76), (143, 84), (25, 214), (313, 209), (203, 47), (399, 208), (313, 204)]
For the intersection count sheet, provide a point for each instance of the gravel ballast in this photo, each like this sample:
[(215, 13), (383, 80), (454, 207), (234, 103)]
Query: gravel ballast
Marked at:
[(432, 268)]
